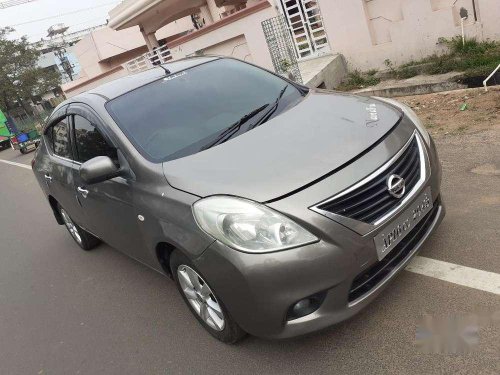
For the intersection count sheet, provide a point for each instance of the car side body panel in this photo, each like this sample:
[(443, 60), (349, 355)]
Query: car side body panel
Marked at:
[(167, 211), (112, 208)]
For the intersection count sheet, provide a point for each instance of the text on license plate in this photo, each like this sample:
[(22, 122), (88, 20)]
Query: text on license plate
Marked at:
[(399, 228)]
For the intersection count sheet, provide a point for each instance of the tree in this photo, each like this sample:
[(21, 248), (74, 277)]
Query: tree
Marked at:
[(21, 78)]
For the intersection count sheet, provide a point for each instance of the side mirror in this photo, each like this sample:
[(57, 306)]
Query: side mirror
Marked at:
[(99, 169)]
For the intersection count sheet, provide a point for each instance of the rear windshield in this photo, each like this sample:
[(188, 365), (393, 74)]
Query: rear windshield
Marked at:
[(185, 112)]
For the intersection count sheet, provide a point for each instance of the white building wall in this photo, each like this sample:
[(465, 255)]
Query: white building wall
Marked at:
[(367, 32), (227, 40)]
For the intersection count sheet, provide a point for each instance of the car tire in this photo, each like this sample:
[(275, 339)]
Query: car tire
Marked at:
[(229, 331), (83, 238)]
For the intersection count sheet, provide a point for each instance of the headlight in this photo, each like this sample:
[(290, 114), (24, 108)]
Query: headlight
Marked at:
[(412, 116), (248, 226)]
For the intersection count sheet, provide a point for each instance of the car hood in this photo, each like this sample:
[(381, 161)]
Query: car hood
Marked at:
[(320, 134)]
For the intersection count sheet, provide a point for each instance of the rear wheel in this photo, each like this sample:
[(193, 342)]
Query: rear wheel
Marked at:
[(202, 300), (83, 238)]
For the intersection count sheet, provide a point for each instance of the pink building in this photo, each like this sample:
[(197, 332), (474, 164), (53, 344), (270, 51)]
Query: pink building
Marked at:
[(302, 38)]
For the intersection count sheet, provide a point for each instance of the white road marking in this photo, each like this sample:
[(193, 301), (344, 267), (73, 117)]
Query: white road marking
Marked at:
[(15, 164), (454, 273)]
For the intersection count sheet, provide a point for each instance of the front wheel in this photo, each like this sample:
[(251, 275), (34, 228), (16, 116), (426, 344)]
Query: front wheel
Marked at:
[(83, 238), (202, 300)]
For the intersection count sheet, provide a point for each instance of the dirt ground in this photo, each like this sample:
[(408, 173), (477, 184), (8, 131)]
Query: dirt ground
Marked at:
[(442, 114)]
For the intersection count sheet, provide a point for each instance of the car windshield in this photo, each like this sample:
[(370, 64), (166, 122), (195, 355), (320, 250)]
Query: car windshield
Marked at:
[(199, 108)]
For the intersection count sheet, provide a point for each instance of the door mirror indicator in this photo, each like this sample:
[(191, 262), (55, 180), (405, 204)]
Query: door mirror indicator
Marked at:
[(99, 169)]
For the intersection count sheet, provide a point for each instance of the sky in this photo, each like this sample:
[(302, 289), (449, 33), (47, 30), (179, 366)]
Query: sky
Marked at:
[(27, 18)]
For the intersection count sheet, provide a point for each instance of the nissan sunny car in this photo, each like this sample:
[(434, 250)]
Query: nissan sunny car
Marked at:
[(278, 210)]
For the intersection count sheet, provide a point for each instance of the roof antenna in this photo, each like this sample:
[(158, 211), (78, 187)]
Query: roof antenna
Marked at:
[(165, 69)]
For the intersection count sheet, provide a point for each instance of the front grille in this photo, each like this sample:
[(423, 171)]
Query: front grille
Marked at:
[(370, 278), (372, 200)]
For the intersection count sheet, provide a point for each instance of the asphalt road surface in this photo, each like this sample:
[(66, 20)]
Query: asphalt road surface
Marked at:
[(65, 311)]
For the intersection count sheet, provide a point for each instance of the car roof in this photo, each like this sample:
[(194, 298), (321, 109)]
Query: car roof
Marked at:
[(123, 85)]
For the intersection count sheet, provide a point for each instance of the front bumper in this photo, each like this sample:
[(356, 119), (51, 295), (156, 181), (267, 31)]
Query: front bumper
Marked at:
[(259, 289)]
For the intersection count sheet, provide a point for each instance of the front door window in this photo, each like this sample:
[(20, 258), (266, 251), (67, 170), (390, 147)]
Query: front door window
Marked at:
[(89, 142)]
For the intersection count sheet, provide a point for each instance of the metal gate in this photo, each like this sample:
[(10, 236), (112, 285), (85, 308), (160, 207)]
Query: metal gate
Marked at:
[(281, 47), (306, 27)]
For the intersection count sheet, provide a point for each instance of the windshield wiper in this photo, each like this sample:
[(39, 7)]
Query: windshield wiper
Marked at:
[(232, 129), (271, 110)]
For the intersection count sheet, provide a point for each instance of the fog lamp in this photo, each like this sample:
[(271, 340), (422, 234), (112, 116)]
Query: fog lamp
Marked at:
[(306, 306)]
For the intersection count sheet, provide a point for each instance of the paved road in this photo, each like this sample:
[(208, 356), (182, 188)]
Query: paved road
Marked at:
[(64, 311)]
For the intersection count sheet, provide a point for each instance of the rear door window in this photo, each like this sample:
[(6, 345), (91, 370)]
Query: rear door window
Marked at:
[(58, 136)]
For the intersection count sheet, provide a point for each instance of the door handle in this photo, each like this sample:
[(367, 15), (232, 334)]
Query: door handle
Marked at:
[(48, 178), (82, 191)]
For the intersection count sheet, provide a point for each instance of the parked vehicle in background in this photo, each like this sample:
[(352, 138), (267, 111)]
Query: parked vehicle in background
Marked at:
[(4, 133), (4, 142), (25, 142), (278, 210), (22, 140)]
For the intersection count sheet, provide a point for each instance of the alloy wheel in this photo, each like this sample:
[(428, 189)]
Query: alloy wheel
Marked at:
[(201, 297), (71, 226)]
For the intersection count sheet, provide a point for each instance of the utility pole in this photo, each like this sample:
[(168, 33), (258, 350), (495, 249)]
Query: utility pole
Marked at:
[(58, 45)]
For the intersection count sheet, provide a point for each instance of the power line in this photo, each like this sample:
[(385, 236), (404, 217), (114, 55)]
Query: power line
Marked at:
[(91, 20), (38, 35), (63, 14), (13, 3)]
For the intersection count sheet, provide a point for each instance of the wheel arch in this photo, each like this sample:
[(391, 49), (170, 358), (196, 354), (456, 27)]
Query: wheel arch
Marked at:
[(163, 252), (55, 209)]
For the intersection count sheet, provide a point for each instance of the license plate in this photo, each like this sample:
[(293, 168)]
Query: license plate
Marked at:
[(399, 228)]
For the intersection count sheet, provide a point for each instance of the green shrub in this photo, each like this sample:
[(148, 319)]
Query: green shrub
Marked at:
[(406, 72), (469, 46), (357, 79), (473, 57)]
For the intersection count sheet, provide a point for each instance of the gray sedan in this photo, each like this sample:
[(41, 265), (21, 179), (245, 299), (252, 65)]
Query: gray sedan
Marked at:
[(278, 210)]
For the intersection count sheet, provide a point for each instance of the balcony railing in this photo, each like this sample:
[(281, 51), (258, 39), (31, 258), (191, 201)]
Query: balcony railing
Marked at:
[(148, 60)]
